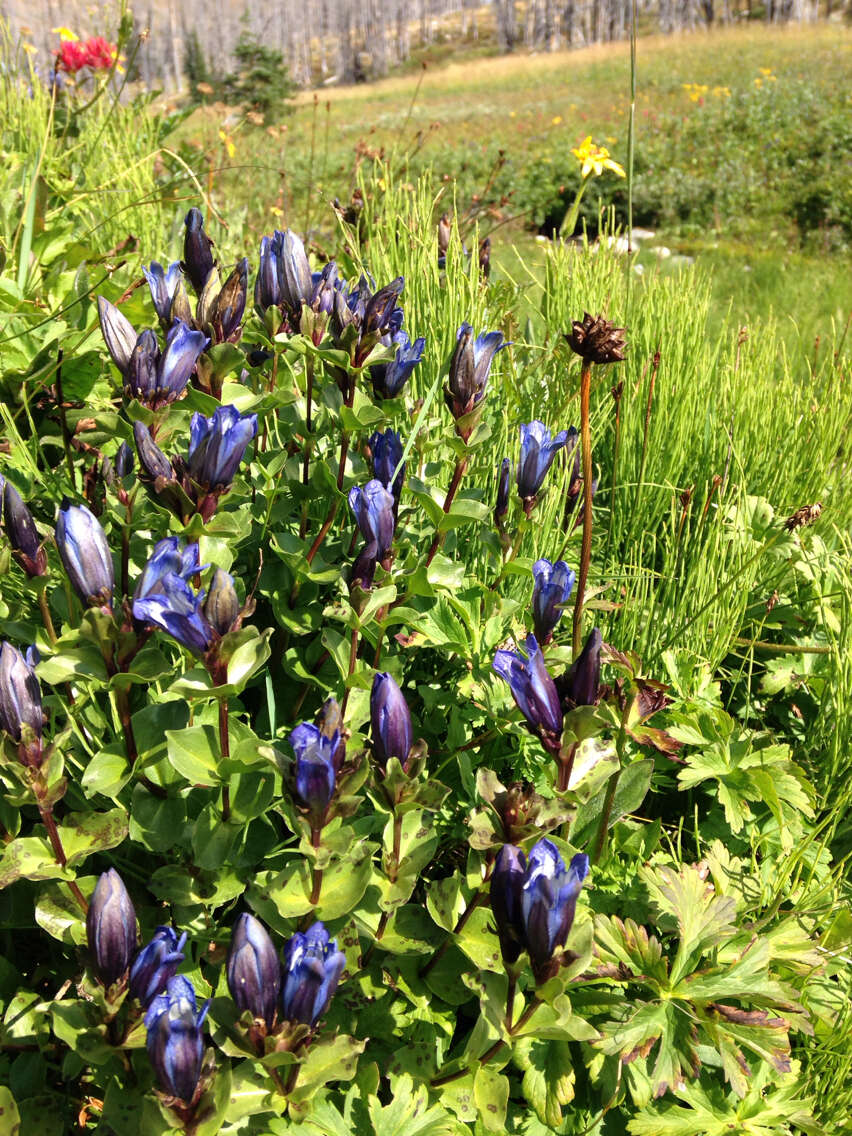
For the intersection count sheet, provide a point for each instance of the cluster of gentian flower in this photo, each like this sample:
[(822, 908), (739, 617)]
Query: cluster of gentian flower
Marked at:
[(533, 902), (312, 969)]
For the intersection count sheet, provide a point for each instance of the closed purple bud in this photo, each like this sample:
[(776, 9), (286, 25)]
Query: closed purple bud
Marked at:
[(373, 507), (85, 554), (140, 376), (163, 286), (294, 274), (197, 255), (253, 970), (386, 449), (118, 332), (312, 969), (267, 291), (222, 605), (155, 964), (175, 1042), (581, 685), (231, 302), (111, 928), (123, 460), (506, 889), (20, 702), (22, 533), (153, 461), (501, 506), (316, 754), (390, 718)]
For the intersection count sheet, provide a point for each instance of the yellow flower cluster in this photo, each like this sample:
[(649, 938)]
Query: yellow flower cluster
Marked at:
[(595, 159), (698, 91)]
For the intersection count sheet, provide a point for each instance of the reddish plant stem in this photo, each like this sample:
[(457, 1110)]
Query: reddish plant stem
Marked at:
[(225, 753), (323, 533), (122, 703), (59, 853), (495, 1048), (353, 661), (458, 474), (586, 551), (565, 768)]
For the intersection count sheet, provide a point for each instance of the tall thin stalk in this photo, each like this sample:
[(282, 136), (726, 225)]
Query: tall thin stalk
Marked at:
[(458, 474), (225, 753), (586, 549)]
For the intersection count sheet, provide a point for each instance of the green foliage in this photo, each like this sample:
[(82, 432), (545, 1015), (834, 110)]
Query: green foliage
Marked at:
[(261, 82), (704, 985)]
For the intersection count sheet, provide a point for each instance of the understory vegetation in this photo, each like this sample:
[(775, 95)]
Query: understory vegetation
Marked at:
[(425, 681)]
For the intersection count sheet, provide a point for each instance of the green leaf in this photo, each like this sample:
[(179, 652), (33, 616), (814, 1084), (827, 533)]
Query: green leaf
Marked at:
[(491, 1093), (84, 833), (408, 1113), (633, 785), (548, 1082), (329, 1059), (29, 858), (194, 753), (58, 913), (108, 771), (10, 1119)]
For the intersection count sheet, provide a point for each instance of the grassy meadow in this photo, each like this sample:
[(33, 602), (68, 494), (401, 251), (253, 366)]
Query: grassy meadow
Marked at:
[(702, 776)]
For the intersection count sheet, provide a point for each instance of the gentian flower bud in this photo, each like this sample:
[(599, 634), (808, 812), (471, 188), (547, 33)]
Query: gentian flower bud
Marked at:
[(85, 555), (140, 377), (390, 719), (330, 721), (379, 309), (123, 460), (470, 368), (533, 690), (267, 291), (312, 969), (373, 507), (197, 257), (175, 1044), (364, 568), (118, 332), (506, 889), (217, 445), (537, 454), (324, 286), (580, 686), (389, 378), (315, 768), (163, 286), (501, 506), (231, 304), (485, 257), (548, 902), (222, 606), (155, 379), (155, 964), (22, 533), (386, 449), (153, 461), (294, 279), (111, 928), (253, 970), (176, 609), (553, 585), (21, 714)]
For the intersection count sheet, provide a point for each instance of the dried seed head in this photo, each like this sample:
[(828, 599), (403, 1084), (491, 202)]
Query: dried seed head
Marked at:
[(807, 515), (596, 340)]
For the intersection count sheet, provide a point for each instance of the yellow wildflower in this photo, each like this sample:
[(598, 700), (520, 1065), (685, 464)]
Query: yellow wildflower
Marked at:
[(595, 159), (228, 143), (66, 35), (29, 48), (556, 120)]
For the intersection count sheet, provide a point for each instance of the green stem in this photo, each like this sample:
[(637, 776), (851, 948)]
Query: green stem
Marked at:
[(45, 615), (586, 550), (316, 886), (63, 418), (225, 752), (306, 461), (569, 221)]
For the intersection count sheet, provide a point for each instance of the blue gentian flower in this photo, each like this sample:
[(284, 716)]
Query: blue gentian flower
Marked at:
[(267, 290), (218, 444), (312, 969), (175, 1043), (21, 714), (373, 507), (389, 378), (123, 463), (390, 719), (173, 606), (163, 285), (323, 287), (537, 453), (294, 274), (253, 970), (153, 461), (386, 449), (85, 555), (501, 506), (552, 589), (548, 902), (533, 690), (506, 889), (316, 768), (155, 964), (169, 558), (111, 928), (156, 379), (470, 368)]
